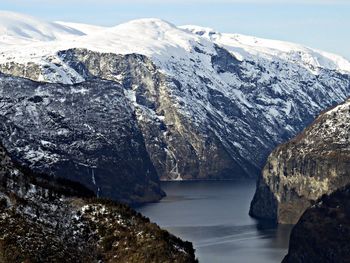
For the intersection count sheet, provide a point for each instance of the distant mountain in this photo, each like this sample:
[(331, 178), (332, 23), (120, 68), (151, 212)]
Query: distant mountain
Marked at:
[(299, 172), (208, 105)]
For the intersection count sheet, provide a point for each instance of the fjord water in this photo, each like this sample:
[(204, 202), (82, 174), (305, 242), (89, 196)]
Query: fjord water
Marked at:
[(213, 215)]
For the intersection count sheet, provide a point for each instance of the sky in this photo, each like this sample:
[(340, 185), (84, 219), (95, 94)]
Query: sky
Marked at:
[(322, 24)]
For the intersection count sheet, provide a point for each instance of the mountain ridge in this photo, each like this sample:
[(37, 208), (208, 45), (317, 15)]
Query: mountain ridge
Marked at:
[(159, 28)]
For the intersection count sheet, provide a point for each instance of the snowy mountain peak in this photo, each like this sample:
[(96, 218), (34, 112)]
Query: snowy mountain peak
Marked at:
[(15, 28), (155, 38), (152, 32), (155, 23)]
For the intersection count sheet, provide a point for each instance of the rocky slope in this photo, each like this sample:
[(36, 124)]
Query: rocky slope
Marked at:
[(42, 220), (86, 132), (323, 232), (208, 105), (314, 163)]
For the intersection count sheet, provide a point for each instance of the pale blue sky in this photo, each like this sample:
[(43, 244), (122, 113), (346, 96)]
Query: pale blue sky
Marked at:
[(323, 24)]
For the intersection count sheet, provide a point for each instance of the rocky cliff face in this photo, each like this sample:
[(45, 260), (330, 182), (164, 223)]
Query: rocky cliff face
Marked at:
[(43, 220), (86, 132), (323, 232), (314, 163), (208, 105), (192, 128), (178, 148)]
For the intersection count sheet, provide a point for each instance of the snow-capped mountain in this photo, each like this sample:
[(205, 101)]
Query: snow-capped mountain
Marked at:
[(253, 48), (208, 105)]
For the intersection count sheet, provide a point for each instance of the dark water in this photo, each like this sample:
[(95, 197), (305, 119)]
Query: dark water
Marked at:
[(214, 216)]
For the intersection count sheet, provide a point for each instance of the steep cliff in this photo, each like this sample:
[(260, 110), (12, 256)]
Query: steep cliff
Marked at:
[(53, 220), (297, 173), (85, 132), (209, 105), (322, 234)]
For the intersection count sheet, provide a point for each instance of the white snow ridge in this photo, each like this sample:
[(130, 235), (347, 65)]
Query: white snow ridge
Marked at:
[(151, 37)]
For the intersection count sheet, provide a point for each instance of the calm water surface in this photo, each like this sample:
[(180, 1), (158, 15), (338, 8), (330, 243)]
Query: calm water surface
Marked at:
[(214, 216)]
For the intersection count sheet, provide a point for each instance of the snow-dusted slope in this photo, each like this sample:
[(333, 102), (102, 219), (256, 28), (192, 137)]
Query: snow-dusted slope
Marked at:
[(85, 132), (208, 107), (22, 29), (250, 47)]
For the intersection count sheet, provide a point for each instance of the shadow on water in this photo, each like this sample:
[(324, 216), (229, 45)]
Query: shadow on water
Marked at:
[(214, 216), (278, 235)]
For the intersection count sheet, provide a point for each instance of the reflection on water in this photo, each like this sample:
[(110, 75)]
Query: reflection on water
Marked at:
[(214, 216)]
